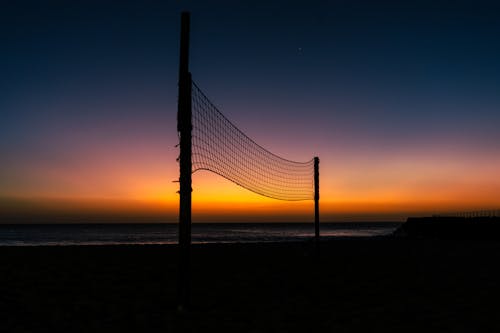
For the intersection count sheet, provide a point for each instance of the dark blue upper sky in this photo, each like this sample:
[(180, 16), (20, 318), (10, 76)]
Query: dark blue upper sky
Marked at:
[(412, 59)]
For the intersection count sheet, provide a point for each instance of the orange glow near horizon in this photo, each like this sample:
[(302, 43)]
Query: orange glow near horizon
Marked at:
[(357, 189)]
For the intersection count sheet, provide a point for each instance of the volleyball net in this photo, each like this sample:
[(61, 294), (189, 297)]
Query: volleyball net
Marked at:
[(220, 147)]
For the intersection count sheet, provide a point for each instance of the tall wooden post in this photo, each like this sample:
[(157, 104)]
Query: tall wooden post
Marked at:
[(316, 199), (184, 127)]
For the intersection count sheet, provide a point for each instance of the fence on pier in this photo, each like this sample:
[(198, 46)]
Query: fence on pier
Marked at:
[(472, 214)]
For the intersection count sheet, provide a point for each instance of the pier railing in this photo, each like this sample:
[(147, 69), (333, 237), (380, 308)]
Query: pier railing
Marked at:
[(472, 214)]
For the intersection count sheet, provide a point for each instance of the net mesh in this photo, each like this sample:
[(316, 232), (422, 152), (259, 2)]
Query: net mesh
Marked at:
[(220, 147)]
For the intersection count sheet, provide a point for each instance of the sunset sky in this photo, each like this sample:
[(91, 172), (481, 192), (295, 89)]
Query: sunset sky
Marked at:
[(400, 101)]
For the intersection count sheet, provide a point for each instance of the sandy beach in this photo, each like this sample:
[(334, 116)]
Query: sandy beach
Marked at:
[(378, 284)]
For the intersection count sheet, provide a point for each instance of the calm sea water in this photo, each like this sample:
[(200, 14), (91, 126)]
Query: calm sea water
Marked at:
[(115, 234)]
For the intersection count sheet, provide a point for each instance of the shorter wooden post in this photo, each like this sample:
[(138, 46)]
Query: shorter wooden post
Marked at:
[(316, 199)]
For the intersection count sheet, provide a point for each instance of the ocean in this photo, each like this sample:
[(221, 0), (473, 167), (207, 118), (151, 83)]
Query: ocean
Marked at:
[(126, 234)]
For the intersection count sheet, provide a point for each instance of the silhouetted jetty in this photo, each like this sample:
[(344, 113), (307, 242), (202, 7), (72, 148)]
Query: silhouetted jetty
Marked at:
[(450, 227)]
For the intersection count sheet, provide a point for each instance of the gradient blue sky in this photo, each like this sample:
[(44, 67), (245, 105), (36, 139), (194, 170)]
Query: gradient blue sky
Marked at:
[(399, 99)]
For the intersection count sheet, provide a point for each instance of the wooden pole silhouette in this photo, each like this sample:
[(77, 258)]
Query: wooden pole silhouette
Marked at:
[(316, 199), (184, 127)]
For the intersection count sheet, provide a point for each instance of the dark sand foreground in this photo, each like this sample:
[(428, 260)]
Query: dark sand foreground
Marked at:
[(387, 284)]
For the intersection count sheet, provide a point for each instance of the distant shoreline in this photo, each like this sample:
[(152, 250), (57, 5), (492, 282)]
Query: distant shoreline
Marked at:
[(205, 223), (124, 234)]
